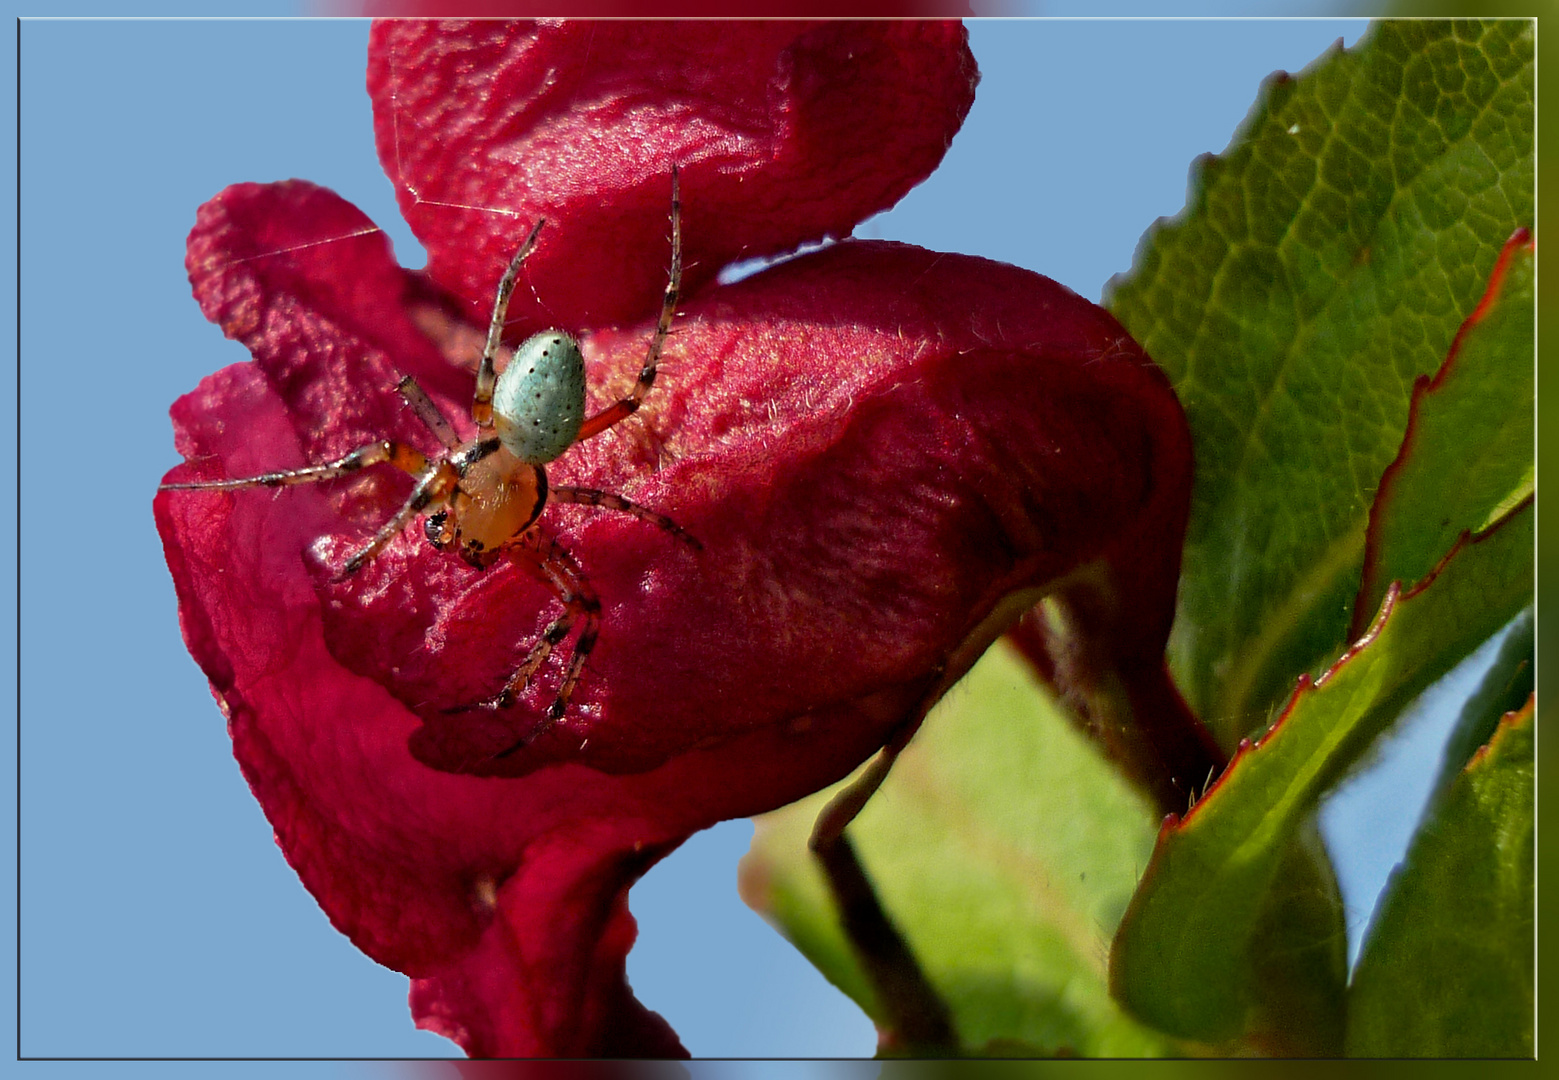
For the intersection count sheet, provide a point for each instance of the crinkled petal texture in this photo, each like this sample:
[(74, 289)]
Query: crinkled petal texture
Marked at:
[(786, 131), (663, 9), (875, 445)]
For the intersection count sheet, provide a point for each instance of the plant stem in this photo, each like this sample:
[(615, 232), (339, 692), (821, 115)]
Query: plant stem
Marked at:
[(917, 1020)]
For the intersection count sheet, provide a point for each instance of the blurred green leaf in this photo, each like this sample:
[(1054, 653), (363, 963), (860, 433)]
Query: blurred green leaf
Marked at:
[(1298, 955), (1325, 260), (1188, 956), (1004, 848), (1448, 967), (1468, 455)]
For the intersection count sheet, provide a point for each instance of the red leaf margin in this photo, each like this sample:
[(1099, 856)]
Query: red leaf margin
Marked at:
[(1305, 685), (1370, 581)]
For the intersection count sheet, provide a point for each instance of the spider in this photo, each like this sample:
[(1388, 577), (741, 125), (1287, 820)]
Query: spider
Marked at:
[(483, 496)]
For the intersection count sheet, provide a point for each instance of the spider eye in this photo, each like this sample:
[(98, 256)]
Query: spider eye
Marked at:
[(539, 400), (433, 529)]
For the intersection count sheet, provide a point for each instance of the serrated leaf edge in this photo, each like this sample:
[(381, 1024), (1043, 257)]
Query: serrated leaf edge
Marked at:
[(1422, 387), (1305, 685)]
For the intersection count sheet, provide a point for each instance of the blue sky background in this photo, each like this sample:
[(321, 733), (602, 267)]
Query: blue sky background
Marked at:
[(158, 917)]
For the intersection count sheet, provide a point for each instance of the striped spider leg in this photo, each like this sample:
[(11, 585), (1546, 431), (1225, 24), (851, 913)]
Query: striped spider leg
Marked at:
[(483, 496)]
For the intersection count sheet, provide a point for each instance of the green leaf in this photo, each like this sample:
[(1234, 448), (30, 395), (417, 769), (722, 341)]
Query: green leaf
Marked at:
[(1004, 849), (1188, 956), (1447, 969), (1468, 454), (1298, 954), (1324, 261)]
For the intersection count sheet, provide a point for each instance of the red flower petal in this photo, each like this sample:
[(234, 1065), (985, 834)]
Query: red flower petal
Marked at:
[(784, 132), (664, 9)]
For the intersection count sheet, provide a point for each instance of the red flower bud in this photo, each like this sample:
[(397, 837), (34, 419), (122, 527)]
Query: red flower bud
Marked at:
[(877, 448)]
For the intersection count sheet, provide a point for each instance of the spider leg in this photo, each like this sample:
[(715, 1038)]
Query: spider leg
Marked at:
[(545, 559), (625, 408), (402, 456), (486, 376), (605, 499), (434, 488), (428, 412)]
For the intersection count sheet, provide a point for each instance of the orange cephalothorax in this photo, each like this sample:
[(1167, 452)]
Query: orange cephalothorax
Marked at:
[(497, 499)]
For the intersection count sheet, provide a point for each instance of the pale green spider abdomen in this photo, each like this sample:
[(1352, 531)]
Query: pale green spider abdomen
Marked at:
[(539, 400)]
